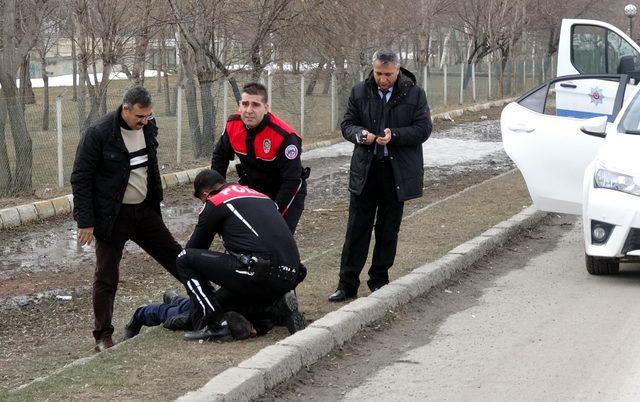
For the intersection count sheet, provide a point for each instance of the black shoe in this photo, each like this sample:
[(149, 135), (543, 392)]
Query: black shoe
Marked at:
[(286, 313), (133, 327), (341, 295), (168, 296), (221, 334), (104, 343)]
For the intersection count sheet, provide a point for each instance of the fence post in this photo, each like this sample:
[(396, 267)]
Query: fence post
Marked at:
[(543, 80), (461, 83), (301, 105), (524, 75), (489, 76), (225, 99), (269, 89), (59, 139), (425, 82), (445, 84), (333, 101), (473, 80), (179, 126)]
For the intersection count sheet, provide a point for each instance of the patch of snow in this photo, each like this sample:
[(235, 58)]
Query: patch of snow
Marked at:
[(67, 80), (437, 151)]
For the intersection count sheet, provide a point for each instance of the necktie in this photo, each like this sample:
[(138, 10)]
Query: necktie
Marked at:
[(379, 150), (384, 95)]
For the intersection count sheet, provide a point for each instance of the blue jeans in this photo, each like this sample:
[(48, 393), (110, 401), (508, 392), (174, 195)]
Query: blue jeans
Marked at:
[(156, 314)]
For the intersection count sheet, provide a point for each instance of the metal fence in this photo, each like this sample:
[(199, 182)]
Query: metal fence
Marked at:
[(312, 102)]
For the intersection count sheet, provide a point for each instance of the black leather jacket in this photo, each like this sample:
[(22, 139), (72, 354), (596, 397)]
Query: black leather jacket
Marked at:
[(101, 173), (407, 115)]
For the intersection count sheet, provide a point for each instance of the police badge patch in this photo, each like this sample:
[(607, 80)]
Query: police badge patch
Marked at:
[(266, 145), (291, 152)]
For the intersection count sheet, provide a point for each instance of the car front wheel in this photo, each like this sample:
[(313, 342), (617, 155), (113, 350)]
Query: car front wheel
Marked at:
[(602, 266)]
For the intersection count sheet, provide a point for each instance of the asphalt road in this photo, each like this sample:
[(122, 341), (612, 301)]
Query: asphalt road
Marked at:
[(526, 324)]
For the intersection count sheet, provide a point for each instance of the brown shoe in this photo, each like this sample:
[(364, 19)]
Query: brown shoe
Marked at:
[(104, 343)]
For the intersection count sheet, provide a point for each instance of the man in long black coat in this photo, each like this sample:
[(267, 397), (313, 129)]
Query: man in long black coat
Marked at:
[(387, 119)]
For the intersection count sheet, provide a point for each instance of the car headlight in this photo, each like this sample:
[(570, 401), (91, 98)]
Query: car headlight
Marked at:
[(616, 181)]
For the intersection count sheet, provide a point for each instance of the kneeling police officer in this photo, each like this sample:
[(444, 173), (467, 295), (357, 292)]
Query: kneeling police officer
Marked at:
[(261, 263)]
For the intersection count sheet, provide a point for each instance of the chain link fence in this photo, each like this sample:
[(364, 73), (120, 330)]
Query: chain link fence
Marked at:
[(312, 102)]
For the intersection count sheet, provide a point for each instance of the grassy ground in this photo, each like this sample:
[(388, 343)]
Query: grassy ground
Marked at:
[(159, 365)]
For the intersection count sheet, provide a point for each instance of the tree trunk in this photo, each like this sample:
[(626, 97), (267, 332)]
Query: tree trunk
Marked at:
[(256, 63), (164, 80), (503, 65), (26, 90), (21, 138), (208, 117), (45, 102), (192, 113), (75, 68), (5, 168), (167, 96)]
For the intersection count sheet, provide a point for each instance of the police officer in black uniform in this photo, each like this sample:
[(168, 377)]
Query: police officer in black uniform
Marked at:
[(260, 266), (268, 150)]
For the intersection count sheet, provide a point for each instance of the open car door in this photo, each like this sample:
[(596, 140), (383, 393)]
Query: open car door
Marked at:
[(549, 148), (592, 47)]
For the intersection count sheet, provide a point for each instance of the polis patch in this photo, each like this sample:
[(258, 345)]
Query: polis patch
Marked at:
[(291, 152), (266, 145)]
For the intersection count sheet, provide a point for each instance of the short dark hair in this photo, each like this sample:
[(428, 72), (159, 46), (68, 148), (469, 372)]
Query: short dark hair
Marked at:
[(385, 56), (239, 326), (207, 179), (136, 94), (256, 88)]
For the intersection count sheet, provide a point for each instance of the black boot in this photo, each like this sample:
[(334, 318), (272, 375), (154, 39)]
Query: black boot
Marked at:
[(220, 333), (286, 313), (169, 296)]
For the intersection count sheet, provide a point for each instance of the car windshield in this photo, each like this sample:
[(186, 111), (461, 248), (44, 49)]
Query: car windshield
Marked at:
[(630, 123)]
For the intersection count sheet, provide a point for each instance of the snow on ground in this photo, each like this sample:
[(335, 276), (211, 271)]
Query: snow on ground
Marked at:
[(437, 151), (67, 80)]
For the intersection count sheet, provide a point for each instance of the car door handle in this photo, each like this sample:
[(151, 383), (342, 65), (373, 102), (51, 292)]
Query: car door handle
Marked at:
[(568, 85), (521, 128)]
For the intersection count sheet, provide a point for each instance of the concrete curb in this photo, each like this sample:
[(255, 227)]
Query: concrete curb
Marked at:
[(277, 363), (40, 210)]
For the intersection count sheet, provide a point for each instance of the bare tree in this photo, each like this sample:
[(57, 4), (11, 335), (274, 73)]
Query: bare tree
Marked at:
[(21, 24), (47, 40)]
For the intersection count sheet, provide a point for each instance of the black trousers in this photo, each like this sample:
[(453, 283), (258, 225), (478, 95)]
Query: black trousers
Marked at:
[(293, 214), (142, 224), (377, 203), (197, 267)]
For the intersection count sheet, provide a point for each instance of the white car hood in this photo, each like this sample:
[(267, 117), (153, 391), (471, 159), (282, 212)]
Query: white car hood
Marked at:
[(619, 153)]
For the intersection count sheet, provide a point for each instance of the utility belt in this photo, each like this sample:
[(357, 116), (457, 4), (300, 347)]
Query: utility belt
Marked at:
[(261, 269)]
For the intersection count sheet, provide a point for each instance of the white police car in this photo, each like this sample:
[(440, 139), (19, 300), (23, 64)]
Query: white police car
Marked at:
[(588, 166), (576, 140)]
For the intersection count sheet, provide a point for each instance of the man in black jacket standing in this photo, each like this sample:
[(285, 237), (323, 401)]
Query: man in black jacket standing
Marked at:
[(387, 119), (116, 193)]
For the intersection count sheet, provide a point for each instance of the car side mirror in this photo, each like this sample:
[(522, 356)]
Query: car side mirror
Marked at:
[(596, 126), (627, 65)]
